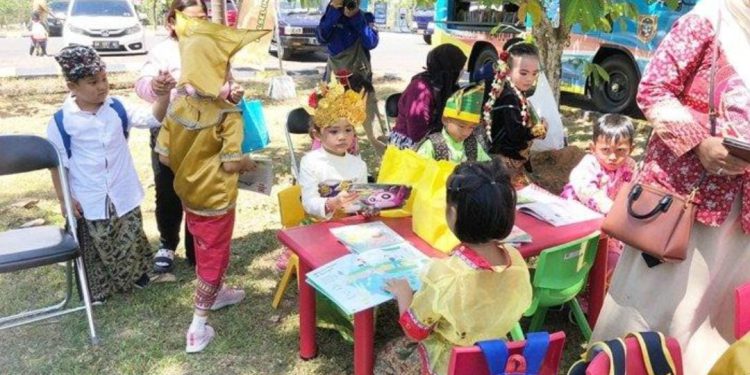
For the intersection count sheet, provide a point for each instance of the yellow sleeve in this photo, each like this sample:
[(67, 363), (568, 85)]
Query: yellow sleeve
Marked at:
[(231, 135)]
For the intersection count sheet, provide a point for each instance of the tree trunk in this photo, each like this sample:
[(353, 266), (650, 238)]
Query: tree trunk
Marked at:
[(551, 42), (217, 11)]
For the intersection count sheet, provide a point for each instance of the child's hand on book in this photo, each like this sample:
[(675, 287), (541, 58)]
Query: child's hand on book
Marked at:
[(399, 288), (370, 211), (248, 165)]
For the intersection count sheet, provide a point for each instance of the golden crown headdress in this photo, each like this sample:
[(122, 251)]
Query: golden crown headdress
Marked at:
[(332, 102)]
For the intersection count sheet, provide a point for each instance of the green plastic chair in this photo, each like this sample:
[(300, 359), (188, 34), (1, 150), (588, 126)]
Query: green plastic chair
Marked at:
[(560, 275)]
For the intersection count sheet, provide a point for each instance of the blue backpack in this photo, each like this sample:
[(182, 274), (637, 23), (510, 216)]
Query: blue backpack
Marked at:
[(501, 363), (116, 105)]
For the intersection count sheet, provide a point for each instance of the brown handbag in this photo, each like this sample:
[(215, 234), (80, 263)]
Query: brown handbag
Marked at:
[(653, 220)]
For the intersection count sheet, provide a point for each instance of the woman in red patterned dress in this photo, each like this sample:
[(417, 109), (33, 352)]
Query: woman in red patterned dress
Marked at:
[(692, 300)]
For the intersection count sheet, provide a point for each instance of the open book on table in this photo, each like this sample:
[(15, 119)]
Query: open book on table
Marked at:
[(366, 236), (355, 281), (553, 209), (259, 180)]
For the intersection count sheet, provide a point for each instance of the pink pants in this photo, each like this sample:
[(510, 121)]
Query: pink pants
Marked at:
[(213, 238)]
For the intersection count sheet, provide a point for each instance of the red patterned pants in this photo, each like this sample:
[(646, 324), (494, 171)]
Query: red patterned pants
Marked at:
[(213, 238)]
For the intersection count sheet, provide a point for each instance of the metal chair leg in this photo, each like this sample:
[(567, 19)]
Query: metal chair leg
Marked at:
[(42, 313), (87, 300)]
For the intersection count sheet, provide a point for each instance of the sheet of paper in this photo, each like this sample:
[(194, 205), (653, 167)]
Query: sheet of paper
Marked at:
[(259, 180)]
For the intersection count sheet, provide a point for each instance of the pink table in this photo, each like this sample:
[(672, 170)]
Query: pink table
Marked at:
[(316, 246)]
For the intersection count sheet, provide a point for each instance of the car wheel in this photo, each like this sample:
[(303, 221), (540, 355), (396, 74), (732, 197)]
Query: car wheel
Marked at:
[(427, 39), (618, 94), (284, 53)]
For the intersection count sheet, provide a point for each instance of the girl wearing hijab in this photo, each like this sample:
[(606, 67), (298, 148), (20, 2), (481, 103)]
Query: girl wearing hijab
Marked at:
[(421, 105)]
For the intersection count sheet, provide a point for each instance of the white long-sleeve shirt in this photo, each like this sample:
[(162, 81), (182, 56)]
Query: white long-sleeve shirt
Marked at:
[(320, 165), (101, 168)]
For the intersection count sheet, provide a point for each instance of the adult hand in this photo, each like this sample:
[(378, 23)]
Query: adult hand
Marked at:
[(236, 92), (338, 4), (399, 288), (716, 160)]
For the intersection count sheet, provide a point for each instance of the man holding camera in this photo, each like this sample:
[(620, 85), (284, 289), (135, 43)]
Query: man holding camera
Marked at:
[(349, 36)]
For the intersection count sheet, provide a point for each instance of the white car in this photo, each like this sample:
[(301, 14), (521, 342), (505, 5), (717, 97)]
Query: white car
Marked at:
[(110, 26)]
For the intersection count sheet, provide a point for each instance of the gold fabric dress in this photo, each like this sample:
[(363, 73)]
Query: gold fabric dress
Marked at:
[(202, 130), (464, 299)]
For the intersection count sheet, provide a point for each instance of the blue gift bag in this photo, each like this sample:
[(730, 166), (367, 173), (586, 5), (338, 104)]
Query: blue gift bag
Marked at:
[(255, 131)]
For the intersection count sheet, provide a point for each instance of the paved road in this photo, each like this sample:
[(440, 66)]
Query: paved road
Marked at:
[(399, 54)]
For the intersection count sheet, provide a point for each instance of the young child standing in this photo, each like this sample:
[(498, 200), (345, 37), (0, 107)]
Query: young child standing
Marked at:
[(38, 36), (457, 141), (510, 120), (201, 142), (483, 288), (598, 177), (331, 167), (91, 131)]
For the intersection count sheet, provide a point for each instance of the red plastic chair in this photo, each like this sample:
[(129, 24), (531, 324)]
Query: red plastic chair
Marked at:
[(470, 360), (742, 311), (635, 363)]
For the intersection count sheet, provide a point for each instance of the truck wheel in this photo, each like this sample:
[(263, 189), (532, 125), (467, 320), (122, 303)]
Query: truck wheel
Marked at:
[(617, 95), (427, 38), (488, 54)]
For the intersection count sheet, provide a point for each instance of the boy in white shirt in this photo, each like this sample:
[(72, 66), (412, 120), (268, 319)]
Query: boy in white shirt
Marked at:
[(90, 131)]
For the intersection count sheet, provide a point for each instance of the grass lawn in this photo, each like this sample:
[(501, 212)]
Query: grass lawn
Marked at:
[(144, 331)]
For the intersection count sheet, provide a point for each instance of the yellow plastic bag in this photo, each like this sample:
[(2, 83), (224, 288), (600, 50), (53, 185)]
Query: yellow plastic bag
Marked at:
[(734, 361), (401, 167), (428, 212)]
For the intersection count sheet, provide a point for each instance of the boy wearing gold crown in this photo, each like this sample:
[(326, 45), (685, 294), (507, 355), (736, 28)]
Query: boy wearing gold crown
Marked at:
[(201, 142), (329, 169), (457, 141)]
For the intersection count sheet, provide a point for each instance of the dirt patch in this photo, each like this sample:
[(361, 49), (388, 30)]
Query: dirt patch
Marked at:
[(552, 168)]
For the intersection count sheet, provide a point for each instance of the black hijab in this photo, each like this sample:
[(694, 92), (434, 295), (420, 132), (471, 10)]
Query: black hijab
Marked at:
[(444, 66)]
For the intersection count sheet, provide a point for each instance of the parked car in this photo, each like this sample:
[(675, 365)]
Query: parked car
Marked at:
[(110, 26), (297, 30), (230, 12), (56, 19), (423, 23)]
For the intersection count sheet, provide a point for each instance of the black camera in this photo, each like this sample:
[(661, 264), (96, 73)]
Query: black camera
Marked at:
[(351, 4)]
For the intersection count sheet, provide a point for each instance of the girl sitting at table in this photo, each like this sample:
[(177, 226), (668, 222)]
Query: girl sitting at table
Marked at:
[(599, 175), (477, 293), (325, 172)]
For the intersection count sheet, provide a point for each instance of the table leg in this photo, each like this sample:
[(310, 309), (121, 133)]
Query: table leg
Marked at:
[(364, 337), (597, 281), (307, 346)]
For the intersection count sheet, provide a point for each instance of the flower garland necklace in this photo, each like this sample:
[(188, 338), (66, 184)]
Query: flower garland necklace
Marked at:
[(498, 85)]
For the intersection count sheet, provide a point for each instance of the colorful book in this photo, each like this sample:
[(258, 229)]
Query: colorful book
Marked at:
[(359, 238), (378, 196), (553, 209), (355, 282)]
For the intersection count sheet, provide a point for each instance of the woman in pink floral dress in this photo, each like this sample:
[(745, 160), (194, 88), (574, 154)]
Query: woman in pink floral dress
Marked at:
[(693, 300)]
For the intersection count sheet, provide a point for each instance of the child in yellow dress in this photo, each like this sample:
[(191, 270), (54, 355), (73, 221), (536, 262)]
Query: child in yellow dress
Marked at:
[(483, 288)]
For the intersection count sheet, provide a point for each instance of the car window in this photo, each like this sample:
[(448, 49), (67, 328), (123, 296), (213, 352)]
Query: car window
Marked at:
[(58, 7), (101, 8)]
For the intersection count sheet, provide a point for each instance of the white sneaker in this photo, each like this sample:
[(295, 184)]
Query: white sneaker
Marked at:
[(197, 341), (228, 296), (164, 260)]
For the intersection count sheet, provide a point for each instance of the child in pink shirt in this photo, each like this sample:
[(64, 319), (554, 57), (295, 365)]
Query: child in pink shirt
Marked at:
[(604, 171)]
